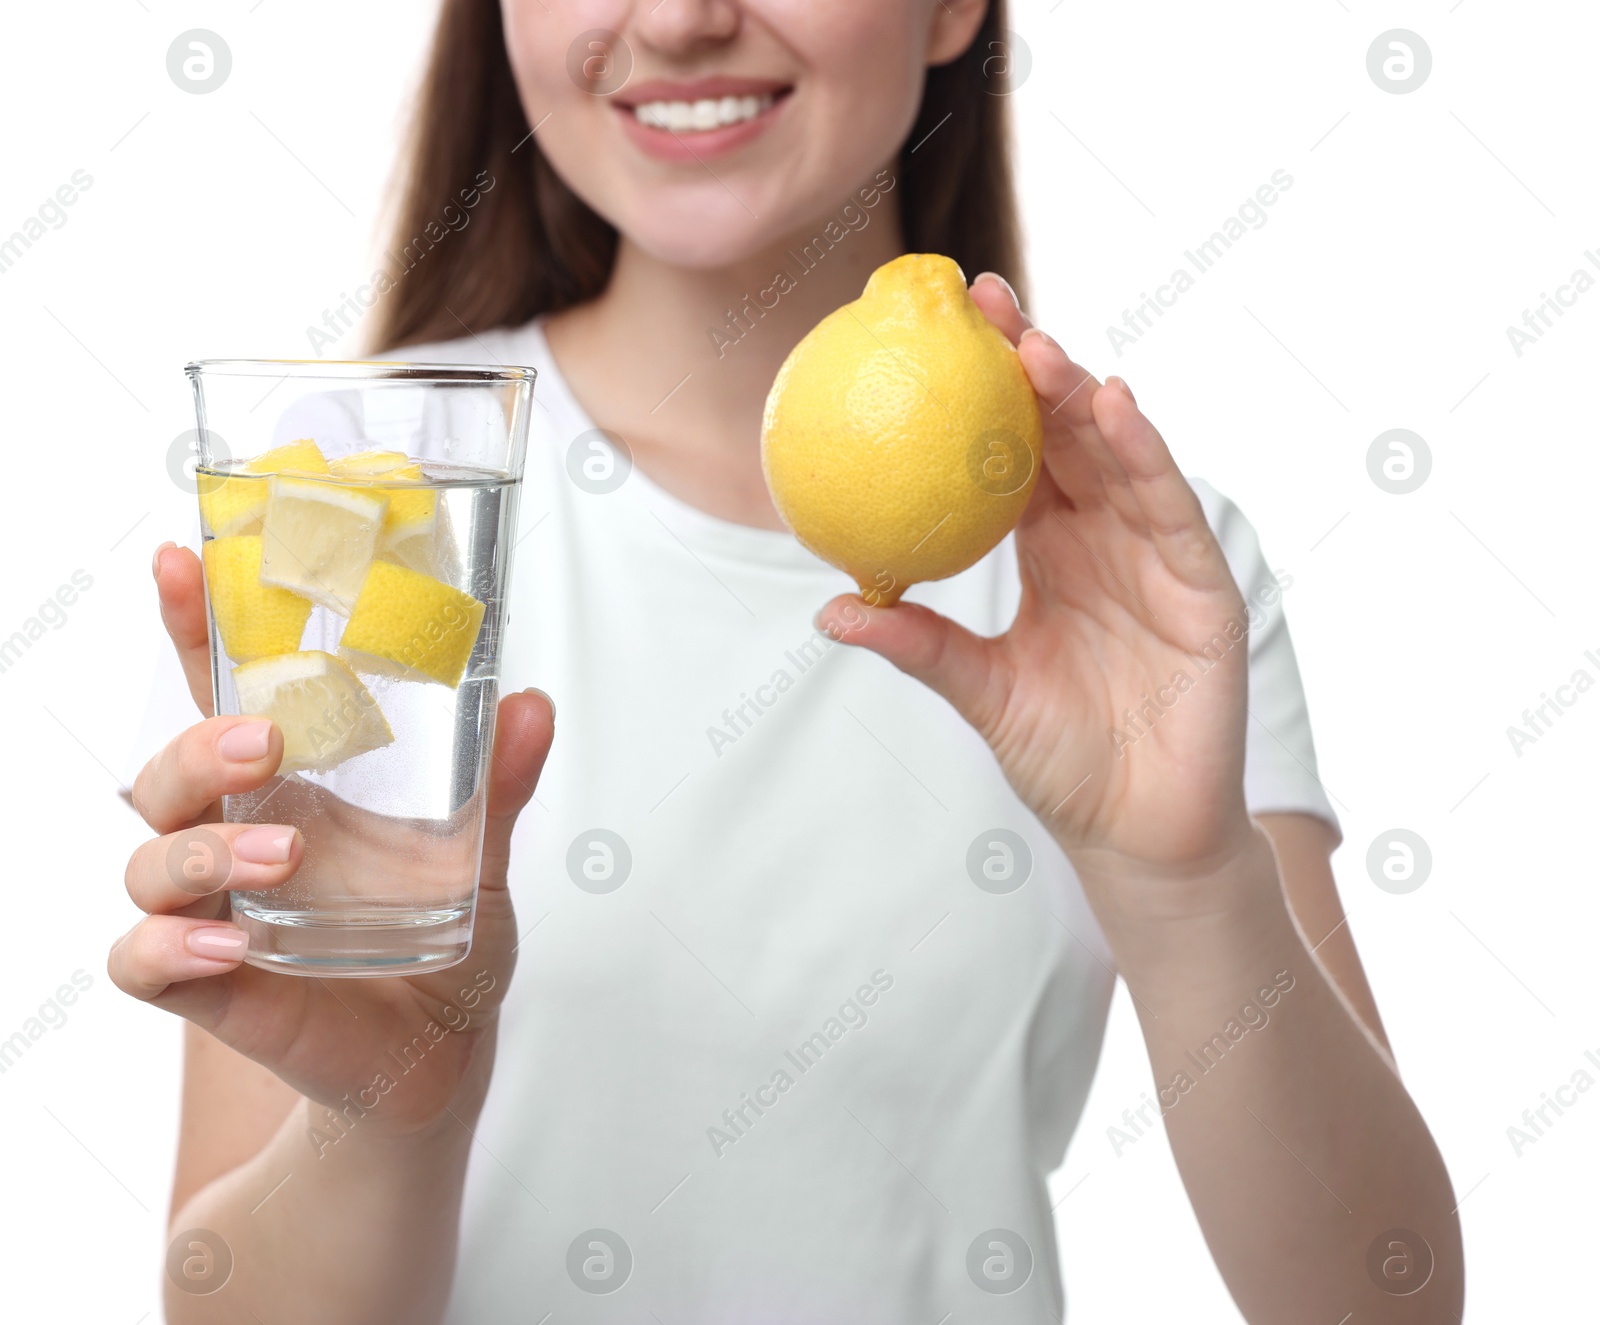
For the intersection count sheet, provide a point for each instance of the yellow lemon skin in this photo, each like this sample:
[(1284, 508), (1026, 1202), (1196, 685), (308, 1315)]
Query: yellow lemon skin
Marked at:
[(411, 510), (253, 620), (414, 527), (411, 625), (901, 439), (236, 505)]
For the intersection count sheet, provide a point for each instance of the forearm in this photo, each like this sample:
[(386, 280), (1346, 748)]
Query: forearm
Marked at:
[(335, 1222), (1295, 1139)]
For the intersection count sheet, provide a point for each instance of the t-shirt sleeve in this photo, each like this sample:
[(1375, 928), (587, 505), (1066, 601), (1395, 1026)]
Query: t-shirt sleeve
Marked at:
[(1280, 762)]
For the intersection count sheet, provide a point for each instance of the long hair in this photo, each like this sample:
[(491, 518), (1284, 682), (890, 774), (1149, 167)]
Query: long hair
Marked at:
[(528, 245)]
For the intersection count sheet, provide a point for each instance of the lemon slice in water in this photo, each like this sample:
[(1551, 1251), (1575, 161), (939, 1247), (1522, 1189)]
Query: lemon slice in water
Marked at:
[(318, 539), (325, 713), (413, 524), (236, 505), (412, 626), (253, 620)]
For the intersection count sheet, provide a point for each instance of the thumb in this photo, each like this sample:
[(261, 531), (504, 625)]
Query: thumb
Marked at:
[(949, 659), (523, 733)]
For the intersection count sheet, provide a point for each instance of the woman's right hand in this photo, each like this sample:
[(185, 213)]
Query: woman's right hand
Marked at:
[(328, 1041)]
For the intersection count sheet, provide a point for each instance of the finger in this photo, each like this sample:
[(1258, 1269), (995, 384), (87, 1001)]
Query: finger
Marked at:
[(1170, 509), (523, 733), (217, 757), (998, 301), (1065, 388), (180, 589), (1074, 452), (161, 951), (171, 873), (947, 658)]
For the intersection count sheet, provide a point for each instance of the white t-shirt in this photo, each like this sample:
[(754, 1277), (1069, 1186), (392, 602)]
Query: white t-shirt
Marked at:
[(808, 1052)]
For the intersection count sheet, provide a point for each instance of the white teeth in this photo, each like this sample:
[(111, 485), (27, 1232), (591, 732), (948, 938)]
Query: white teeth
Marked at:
[(700, 116)]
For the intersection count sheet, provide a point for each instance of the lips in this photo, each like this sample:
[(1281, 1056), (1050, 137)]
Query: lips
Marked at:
[(690, 121)]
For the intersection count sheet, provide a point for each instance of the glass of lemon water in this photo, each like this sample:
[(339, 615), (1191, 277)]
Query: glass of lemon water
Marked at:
[(357, 523)]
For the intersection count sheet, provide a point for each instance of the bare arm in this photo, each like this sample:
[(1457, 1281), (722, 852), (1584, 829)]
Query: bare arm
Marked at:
[(1304, 845), (328, 1220), (1296, 1141), (231, 1109), (311, 1185), (1301, 1151)]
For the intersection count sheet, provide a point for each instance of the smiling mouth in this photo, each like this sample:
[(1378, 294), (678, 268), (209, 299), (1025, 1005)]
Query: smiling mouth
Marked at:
[(703, 115), (702, 106)]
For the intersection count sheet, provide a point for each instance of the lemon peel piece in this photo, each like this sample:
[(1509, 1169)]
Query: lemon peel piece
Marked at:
[(253, 620), (318, 538), (413, 526), (412, 626), (327, 716), (235, 505)]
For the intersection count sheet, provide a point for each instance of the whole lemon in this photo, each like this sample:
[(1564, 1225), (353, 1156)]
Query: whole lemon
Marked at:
[(901, 439)]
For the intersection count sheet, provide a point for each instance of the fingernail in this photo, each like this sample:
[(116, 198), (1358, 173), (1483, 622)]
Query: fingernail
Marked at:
[(1127, 390), (829, 627), (269, 844), (155, 561), (996, 276), (534, 690), (1045, 336), (247, 742), (226, 944)]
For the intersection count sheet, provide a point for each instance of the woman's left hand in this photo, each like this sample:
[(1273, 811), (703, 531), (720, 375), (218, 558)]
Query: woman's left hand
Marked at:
[(1124, 588), (1128, 608)]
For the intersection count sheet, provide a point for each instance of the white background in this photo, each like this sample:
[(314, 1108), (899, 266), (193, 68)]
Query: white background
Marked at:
[(1378, 295)]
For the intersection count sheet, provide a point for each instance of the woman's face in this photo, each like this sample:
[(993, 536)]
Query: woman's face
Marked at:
[(709, 130)]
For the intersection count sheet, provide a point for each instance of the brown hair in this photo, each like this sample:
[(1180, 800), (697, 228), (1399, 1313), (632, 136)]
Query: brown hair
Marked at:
[(530, 245)]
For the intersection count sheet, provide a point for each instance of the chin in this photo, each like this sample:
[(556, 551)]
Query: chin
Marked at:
[(698, 231)]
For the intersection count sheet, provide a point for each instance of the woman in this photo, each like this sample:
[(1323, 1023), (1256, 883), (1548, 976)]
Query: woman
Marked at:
[(814, 1057)]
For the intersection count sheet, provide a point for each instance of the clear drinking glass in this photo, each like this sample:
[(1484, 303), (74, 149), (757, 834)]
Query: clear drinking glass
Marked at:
[(357, 522)]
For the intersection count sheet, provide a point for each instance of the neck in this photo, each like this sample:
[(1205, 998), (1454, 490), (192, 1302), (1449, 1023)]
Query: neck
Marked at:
[(678, 361)]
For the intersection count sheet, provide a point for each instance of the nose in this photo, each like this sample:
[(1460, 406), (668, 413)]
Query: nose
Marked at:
[(685, 27)]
